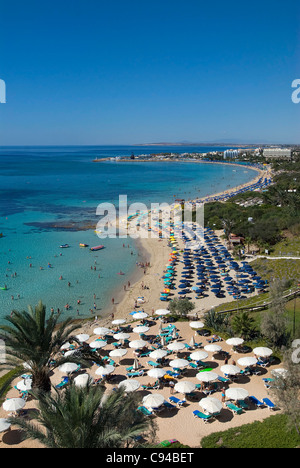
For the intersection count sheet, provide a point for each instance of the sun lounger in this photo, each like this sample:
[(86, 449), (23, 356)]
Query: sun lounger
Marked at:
[(145, 353), (204, 417), (177, 401), (168, 405), (223, 379), (269, 403), (64, 382), (235, 409), (145, 411), (197, 345), (153, 363), (256, 402), (242, 404), (135, 374)]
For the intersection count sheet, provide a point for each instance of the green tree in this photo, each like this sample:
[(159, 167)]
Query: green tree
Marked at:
[(181, 306), (243, 325), (216, 321), (32, 338), (85, 417), (274, 324)]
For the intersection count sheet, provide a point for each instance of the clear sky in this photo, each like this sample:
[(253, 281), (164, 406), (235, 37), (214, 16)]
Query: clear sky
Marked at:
[(138, 71)]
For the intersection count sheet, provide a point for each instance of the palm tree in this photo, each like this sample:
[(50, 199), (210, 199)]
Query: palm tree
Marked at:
[(243, 324), (33, 339), (83, 417)]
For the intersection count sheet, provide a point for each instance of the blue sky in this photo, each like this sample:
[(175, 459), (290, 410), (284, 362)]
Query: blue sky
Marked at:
[(127, 72)]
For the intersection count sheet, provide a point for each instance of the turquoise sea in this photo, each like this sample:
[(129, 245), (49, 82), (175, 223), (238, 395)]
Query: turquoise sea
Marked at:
[(44, 191)]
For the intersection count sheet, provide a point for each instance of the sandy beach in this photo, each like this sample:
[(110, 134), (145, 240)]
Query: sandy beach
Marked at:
[(179, 422)]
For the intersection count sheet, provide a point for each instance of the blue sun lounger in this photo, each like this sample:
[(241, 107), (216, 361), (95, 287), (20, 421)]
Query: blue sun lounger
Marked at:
[(145, 411), (269, 403), (257, 403), (177, 401), (204, 417)]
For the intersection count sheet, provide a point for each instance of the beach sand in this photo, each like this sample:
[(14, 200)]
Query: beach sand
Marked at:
[(180, 422)]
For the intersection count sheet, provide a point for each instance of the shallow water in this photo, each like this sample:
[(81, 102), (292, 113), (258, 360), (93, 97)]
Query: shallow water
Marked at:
[(40, 187)]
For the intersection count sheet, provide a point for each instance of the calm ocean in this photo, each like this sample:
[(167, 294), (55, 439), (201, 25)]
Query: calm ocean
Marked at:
[(43, 186)]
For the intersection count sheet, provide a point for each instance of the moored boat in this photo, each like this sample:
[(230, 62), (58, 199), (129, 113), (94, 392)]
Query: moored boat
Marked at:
[(98, 247), (64, 246), (83, 245)]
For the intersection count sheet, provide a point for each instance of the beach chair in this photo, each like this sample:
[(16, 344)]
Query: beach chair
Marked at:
[(145, 353), (177, 401), (64, 382), (204, 417), (193, 365), (242, 404), (153, 363), (197, 345), (269, 404), (145, 411), (135, 374), (235, 409), (256, 402)]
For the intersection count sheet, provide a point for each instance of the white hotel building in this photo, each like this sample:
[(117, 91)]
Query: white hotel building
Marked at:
[(277, 153)]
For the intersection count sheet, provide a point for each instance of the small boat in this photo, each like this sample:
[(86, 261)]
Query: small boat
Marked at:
[(64, 246), (98, 247), (83, 245)]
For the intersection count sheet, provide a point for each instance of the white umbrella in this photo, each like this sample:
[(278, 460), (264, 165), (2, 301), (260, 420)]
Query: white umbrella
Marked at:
[(153, 400), (185, 386), (68, 367), (262, 352), (156, 373), (158, 353), (280, 372), (14, 404), (118, 321), (197, 324), (98, 344), (102, 331), (129, 385), (24, 385), (213, 348), (198, 355), (175, 346), (122, 336), (4, 424), (105, 370), (235, 341), (136, 365), (65, 345), (229, 369), (207, 376), (192, 342), (162, 312), (247, 361), (139, 315), (141, 329), (211, 405), (69, 353), (136, 344), (118, 352), (82, 380), (179, 363), (236, 393), (82, 337)]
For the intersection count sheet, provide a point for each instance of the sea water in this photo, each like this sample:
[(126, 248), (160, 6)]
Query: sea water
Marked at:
[(48, 194)]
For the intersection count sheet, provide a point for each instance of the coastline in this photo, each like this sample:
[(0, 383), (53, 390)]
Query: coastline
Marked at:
[(156, 251)]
